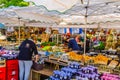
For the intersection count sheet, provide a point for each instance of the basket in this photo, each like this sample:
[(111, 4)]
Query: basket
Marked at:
[(37, 66), (3, 63)]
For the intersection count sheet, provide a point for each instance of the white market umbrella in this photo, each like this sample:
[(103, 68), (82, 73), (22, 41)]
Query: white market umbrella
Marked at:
[(58, 5), (10, 22), (28, 14), (92, 19), (111, 25), (84, 11), (16, 16), (37, 17), (64, 5)]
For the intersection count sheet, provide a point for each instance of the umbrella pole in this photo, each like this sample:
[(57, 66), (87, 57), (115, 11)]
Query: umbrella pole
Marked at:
[(19, 29), (85, 35), (85, 30), (85, 40)]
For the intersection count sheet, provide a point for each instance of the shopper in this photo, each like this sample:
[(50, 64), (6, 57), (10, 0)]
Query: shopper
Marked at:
[(27, 48)]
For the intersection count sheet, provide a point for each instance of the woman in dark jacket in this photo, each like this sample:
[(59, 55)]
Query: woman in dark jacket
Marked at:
[(27, 48)]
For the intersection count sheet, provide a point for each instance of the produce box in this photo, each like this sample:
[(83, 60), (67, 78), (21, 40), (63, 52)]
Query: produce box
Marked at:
[(2, 63), (113, 64), (100, 59), (74, 56), (53, 59), (45, 37), (117, 70), (62, 62)]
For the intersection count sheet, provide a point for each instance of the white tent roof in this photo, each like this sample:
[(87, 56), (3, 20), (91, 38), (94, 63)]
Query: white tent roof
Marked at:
[(60, 5), (92, 19), (71, 12), (13, 15), (112, 25), (11, 21), (97, 11), (63, 5)]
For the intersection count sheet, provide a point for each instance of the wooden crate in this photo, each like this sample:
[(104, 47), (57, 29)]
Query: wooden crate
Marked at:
[(63, 63), (3, 63), (53, 59)]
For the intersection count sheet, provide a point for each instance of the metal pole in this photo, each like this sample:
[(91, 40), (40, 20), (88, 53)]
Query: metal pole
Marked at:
[(86, 16), (19, 29), (85, 36), (57, 38)]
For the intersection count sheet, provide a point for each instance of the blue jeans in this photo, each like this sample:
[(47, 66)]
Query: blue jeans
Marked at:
[(24, 69)]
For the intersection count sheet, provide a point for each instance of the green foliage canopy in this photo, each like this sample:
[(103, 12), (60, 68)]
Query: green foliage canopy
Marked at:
[(7, 3)]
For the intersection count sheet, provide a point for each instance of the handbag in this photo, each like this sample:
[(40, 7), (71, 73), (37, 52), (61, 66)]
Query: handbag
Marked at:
[(37, 66)]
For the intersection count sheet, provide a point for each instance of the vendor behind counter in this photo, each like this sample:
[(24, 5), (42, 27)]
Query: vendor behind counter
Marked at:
[(72, 44)]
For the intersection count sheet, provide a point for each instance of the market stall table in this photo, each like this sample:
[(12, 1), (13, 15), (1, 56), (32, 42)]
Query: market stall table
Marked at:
[(45, 71)]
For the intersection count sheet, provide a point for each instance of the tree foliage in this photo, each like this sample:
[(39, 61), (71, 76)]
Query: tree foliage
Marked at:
[(7, 3)]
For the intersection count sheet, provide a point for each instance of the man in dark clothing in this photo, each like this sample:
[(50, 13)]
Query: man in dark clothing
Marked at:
[(27, 48), (73, 44)]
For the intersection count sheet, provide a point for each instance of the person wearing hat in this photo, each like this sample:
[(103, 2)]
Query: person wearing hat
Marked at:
[(27, 48)]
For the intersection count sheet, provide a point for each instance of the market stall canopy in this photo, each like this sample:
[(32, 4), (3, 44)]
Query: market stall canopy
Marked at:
[(111, 25), (10, 18), (58, 5), (76, 26), (64, 5), (78, 20), (15, 14), (10, 21), (37, 17), (96, 11), (38, 24)]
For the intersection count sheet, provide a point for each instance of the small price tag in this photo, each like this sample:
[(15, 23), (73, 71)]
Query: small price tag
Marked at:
[(113, 64)]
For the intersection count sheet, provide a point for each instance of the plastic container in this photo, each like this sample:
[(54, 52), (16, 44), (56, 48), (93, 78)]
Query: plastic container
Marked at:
[(12, 63), (2, 73), (12, 69)]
